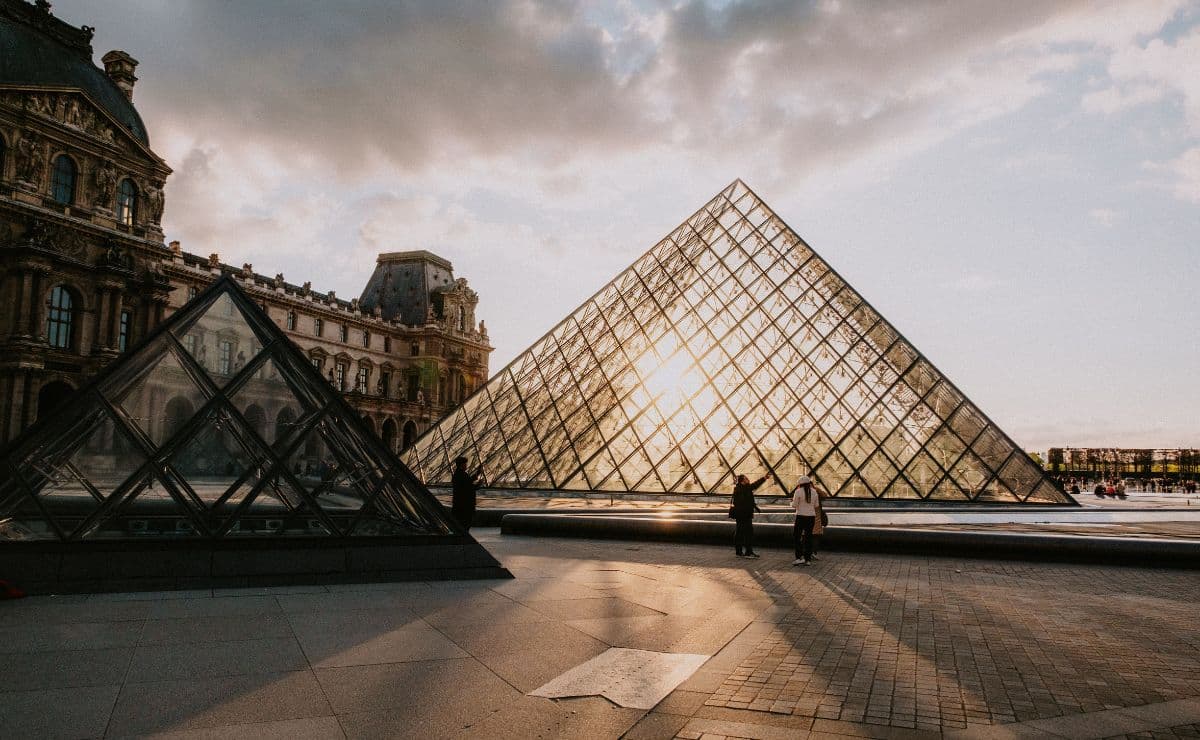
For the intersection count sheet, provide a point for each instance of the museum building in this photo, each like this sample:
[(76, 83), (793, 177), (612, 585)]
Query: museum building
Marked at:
[(85, 273)]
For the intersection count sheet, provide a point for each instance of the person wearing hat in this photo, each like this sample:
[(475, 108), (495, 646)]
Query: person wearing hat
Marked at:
[(464, 485), (742, 511), (806, 501)]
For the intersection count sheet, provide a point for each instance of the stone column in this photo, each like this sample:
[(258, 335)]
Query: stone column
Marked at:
[(103, 294), (26, 402), (8, 408), (10, 295), (37, 305), (114, 320), (23, 282)]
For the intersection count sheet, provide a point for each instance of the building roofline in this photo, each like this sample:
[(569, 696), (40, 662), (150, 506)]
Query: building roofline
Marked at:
[(416, 255)]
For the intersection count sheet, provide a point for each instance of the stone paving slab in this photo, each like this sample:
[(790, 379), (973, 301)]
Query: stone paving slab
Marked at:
[(638, 679), (860, 645)]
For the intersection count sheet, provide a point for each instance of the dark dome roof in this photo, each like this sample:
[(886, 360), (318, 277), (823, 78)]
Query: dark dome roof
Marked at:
[(30, 57)]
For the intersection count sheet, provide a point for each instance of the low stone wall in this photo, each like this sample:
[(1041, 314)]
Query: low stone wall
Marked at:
[(55, 567), (1170, 553)]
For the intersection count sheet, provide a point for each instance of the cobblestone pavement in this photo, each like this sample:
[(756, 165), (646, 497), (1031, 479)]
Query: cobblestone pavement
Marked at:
[(858, 645), (1192, 730), (935, 644)]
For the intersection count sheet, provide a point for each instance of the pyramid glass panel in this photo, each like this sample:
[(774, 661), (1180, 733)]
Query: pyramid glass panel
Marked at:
[(730, 346), (216, 427)]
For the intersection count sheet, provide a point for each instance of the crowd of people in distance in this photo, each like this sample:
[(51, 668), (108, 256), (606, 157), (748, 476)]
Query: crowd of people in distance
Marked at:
[(1120, 487)]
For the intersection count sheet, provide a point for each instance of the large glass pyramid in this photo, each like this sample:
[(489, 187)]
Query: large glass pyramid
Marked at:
[(731, 347), (215, 427)]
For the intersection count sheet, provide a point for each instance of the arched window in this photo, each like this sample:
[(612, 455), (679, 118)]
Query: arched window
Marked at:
[(127, 202), (62, 180), (59, 319)]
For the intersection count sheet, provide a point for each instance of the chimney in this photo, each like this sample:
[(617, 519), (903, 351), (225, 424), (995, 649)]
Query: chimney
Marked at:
[(176, 248), (119, 67)]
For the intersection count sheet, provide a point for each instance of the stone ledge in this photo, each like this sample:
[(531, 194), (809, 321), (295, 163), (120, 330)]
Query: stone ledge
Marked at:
[(1172, 553), (165, 565)]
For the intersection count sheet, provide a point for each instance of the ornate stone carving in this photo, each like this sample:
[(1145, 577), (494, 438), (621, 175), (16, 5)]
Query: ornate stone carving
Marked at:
[(65, 108), (46, 235), (105, 180), (31, 160), (154, 201), (115, 256)]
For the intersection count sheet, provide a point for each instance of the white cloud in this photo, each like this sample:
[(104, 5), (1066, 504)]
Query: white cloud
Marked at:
[(1106, 217), (1118, 98), (1186, 169)]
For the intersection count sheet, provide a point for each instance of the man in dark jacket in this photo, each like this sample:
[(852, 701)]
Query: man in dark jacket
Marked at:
[(743, 514), (464, 485)]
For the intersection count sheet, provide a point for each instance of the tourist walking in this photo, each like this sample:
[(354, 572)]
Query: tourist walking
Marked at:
[(806, 502), (742, 511), (463, 486)]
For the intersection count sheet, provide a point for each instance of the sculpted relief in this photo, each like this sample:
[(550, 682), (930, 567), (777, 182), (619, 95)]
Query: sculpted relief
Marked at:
[(66, 108), (105, 180), (154, 201), (30, 157)]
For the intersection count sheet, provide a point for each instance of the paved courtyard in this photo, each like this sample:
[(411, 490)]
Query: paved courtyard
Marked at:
[(858, 645)]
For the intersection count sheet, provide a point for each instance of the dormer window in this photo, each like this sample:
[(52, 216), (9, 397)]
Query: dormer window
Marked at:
[(127, 198), (62, 180)]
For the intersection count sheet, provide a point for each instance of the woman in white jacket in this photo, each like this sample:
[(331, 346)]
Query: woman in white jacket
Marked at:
[(806, 501)]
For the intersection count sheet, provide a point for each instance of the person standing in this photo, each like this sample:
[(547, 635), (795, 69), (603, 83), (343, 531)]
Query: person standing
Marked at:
[(806, 502), (464, 485), (743, 515), (819, 524)]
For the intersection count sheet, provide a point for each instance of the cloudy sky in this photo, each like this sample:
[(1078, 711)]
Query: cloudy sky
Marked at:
[(1015, 185)]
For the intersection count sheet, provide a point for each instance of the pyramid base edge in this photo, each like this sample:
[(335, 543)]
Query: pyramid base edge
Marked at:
[(41, 567)]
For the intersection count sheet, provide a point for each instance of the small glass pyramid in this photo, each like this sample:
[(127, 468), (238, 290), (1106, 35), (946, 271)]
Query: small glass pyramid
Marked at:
[(731, 347), (215, 427)]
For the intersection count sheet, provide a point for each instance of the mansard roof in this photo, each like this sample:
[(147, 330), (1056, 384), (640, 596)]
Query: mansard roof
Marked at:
[(39, 50)]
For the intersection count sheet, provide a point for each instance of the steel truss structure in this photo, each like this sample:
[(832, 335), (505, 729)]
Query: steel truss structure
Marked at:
[(731, 347), (215, 428)]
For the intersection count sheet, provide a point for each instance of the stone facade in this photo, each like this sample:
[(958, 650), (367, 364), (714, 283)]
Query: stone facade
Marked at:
[(85, 274)]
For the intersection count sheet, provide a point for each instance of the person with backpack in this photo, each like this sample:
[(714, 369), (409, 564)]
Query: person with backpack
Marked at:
[(742, 512), (806, 502)]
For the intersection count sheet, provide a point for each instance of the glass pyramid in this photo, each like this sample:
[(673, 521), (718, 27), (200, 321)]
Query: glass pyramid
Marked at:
[(731, 347), (215, 427)]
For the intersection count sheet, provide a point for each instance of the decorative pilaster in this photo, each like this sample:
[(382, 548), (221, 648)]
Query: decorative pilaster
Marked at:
[(37, 306), (99, 344), (24, 296), (114, 320)]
